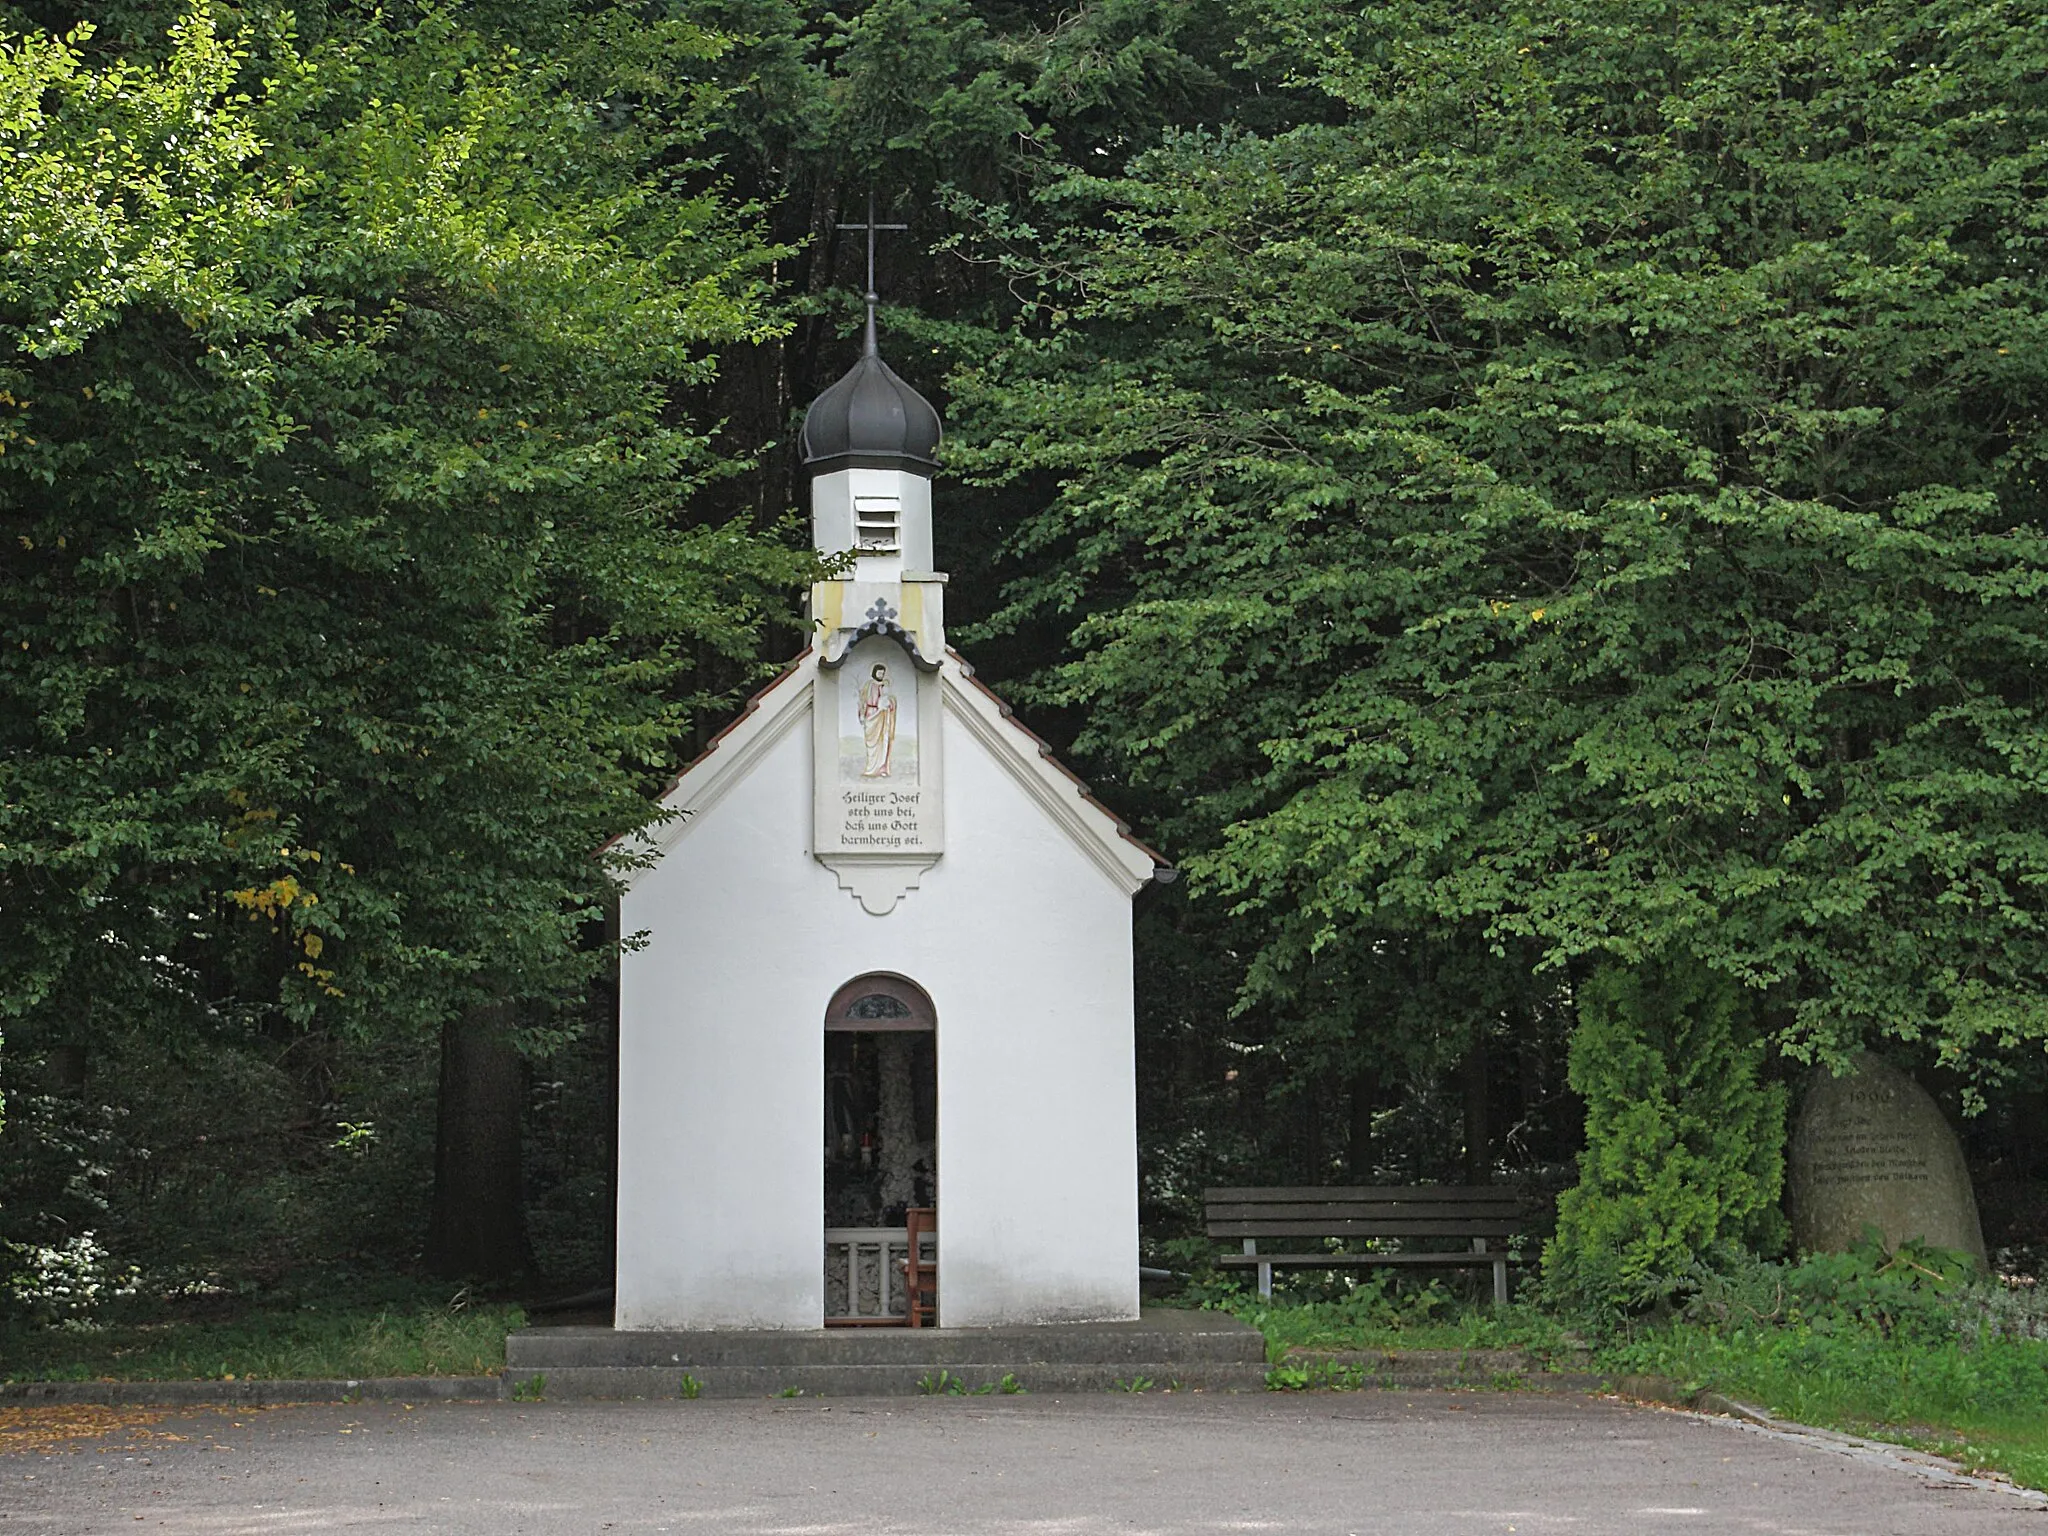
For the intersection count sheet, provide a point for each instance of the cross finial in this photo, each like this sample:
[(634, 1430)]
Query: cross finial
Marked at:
[(869, 345)]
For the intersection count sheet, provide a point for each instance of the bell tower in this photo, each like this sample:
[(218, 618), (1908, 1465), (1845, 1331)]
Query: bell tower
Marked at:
[(869, 444)]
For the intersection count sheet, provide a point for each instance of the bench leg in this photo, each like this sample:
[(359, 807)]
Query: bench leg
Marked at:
[(1251, 1246), (1500, 1273)]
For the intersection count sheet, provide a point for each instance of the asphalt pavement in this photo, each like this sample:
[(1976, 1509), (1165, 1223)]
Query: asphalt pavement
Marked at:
[(1413, 1463)]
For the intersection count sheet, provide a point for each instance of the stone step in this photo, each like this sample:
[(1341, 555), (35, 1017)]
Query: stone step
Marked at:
[(963, 1379), (1178, 1338)]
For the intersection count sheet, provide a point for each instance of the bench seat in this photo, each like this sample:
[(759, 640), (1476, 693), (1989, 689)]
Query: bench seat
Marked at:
[(1482, 1215)]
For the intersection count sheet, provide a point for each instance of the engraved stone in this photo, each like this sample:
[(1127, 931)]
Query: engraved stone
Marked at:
[(1873, 1149)]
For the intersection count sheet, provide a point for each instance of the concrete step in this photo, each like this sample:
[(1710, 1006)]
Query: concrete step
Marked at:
[(1209, 1351), (963, 1379), (1163, 1336)]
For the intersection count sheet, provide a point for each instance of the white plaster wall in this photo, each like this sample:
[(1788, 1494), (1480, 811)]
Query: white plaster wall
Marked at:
[(1024, 946), (1038, 1132), (721, 1080)]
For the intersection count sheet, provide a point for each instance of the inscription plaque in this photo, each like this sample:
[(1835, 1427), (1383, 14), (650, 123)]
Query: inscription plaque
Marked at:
[(878, 795), (1873, 1149)]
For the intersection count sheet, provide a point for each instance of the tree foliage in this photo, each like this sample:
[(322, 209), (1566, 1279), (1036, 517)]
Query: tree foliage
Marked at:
[(1496, 494), (482, 274), (1577, 487), (349, 601)]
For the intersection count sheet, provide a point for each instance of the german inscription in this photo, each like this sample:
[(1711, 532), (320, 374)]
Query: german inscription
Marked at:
[(1873, 1149), (1853, 1153), (880, 820), (877, 792)]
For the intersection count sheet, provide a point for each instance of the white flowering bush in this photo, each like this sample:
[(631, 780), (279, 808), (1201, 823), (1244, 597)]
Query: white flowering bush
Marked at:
[(65, 1284)]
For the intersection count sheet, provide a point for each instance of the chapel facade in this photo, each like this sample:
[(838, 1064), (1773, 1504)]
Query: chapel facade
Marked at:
[(876, 1044)]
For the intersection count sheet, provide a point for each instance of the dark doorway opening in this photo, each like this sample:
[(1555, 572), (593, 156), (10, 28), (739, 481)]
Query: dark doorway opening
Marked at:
[(881, 1154), (879, 1161)]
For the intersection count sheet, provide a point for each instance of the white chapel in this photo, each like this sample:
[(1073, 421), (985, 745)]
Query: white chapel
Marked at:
[(875, 1051)]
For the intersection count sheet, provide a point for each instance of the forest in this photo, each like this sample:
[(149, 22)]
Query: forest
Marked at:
[(1536, 511)]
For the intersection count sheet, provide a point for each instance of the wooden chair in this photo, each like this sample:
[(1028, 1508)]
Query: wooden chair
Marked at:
[(921, 1275)]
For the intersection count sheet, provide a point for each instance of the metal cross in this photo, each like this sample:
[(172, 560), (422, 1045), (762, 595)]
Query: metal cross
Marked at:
[(871, 226)]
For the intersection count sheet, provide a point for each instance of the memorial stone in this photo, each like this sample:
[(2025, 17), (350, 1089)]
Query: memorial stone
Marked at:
[(1873, 1149)]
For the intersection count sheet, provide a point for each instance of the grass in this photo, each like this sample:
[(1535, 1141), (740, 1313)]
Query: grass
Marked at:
[(1373, 1315), (1323, 1326), (1986, 1406), (946, 1384), (400, 1332)]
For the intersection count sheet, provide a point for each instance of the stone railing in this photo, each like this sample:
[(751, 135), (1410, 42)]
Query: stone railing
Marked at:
[(864, 1273)]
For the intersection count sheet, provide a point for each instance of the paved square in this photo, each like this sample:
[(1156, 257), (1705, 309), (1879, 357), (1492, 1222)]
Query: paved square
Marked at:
[(1416, 1464)]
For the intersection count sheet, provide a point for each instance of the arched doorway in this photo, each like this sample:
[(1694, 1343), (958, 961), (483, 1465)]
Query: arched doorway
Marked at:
[(881, 1153)]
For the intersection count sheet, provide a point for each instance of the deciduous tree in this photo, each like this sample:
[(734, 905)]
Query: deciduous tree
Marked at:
[(1578, 488), (349, 599)]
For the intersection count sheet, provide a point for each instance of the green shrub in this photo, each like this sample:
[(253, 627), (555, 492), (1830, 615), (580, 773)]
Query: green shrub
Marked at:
[(1908, 1293), (1684, 1145), (1915, 1293)]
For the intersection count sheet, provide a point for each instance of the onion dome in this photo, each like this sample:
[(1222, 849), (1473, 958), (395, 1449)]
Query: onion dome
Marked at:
[(872, 419)]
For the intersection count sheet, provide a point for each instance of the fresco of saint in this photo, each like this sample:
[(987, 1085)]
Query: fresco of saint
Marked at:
[(876, 710)]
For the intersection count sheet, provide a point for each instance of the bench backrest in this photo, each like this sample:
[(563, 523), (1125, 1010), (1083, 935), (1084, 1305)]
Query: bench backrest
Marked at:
[(1442, 1210)]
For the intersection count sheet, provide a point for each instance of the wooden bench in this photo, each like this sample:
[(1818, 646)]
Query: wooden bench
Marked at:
[(1485, 1215)]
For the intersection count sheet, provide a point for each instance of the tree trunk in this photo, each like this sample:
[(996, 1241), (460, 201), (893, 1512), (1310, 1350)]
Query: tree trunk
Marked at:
[(1365, 1103), (1478, 1134), (1530, 1086), (1309, 1124), (478, 1230)]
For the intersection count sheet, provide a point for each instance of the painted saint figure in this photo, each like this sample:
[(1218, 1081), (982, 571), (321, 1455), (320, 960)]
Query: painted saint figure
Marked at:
[(877, 712)]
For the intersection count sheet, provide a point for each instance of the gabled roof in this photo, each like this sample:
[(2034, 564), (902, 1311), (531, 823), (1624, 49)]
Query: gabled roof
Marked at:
[(1051, 782), (776, 709)]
